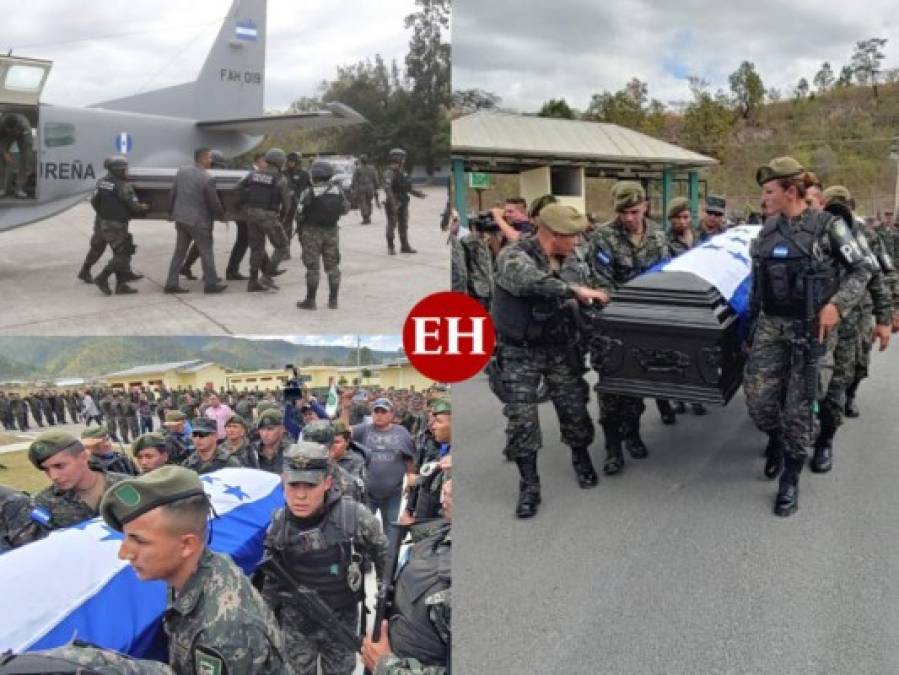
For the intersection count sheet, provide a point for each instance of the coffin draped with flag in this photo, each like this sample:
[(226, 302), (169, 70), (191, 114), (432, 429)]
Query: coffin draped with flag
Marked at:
[(677, 331), (72, 584)]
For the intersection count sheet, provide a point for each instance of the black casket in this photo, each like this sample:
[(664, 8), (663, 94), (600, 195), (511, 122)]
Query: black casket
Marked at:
[(154, 187), (671, 335)]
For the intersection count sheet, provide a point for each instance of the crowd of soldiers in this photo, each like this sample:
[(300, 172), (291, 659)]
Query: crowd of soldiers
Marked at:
[(384, 452), (277, 197), (545, 274)]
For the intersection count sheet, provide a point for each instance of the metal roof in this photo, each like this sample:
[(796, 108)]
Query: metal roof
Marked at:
[(505, 135), (185, 366)]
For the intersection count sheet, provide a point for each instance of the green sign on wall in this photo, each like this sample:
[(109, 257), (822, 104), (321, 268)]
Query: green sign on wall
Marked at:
[(479, 181)]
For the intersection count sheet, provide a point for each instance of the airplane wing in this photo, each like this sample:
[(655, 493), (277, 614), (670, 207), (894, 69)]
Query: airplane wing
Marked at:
[(334, 115)]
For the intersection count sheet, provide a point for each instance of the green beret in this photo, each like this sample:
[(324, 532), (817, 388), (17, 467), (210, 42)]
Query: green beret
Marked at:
[(319, 431), (151, 440), (48, 444), (563, 219), (340, 428), (99, 431), (237, 419), (175, 416), (677, 205), (270, 418), (779, 167), (440, 406), (125, 501), (306, 462), (837, 193), (627, 194), (715, 204)]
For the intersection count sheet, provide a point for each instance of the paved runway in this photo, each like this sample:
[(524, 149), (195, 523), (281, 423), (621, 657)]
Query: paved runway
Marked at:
[(678, 565), (39, 294)]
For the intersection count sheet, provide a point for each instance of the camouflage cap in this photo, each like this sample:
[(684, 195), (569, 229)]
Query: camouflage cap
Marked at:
[(837, 193), (270, 418), (49, 443), (174, 416), (151, 440), (98, 432), (677, 205), (306, 462), (237, 419), (319, 431), (715, 204), (340, 428), (131, 498), (563, 219), (383, 403), (204, 425), (441, 406), (262, 406), (627, 194), (779, 167)]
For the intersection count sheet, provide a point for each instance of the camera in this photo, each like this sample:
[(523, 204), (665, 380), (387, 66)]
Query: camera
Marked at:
[(484, 222), (293, 388)]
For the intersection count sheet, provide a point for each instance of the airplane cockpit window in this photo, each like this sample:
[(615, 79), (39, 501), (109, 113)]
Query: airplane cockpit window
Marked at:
[(22, 77), (57, 135)]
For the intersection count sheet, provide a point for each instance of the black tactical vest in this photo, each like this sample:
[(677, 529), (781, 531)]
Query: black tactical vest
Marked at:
[(412, 635), (324, 210), (109, 204), (530, 321), (318, 558), (787, 257), (262, 192)]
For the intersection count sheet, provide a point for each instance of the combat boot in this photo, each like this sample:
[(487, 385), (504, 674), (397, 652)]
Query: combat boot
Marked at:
[(822, 460), (679, 407), (85, 275), (787, 501), (131, 275), (666, 411), (528, 487), (851, 409), (699, 409), (614, 457), (774, 455), (267, 282), (405, 248), (309, 302), (634, 445), (390, 249), (102, 281), (121, 288), (583, 468), (332, 295)]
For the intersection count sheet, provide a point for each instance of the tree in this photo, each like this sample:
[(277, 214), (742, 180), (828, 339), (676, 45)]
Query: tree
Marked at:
[(747, 88), (773, 94), (824, 78), (802, 88), (472, 100), (707, 121), (845, 78), (556, 108), (637, 91), (866, 61)]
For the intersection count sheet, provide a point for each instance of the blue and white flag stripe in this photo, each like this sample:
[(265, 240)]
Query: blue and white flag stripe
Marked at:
[(73, 584), (246, 30)]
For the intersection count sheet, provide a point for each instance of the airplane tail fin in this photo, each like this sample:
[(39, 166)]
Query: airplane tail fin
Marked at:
[(231, 83)]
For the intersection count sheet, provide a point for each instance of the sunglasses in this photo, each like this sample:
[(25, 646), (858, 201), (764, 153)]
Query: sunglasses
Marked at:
[(202, 433)]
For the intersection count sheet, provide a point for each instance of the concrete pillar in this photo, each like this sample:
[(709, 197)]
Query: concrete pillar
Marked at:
[(459, 188)]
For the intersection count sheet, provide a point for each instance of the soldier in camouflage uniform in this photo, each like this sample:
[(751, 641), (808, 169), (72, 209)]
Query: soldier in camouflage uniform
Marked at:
[(177, 439), (215, 620), (266, 195), (78, 658), (207, 456), (321, 206), (19, 410), (15, 128), (35, 404), (618, 252), (268, 450), (96, 440), (322, 539), (854, 330), (794, 243), (397, 188), (417, 639), (236, 443), (59, 407), (433, 446), (538, 338), (365, 187), (713, 223), (71, 402), (6, 415), (349, 483), (120, 412), (115, 202), (151, 451), (131, 416), (479, 250), (78, 485), (17, 526), (345, 453), (298, 179), (47, 408)]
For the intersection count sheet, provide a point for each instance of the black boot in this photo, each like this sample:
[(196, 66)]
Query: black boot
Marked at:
[(632, 441), (852, 409), (774, 456), (333, 288), (102, 280), (787, 502), (583, 468), (85, 275), (614, 457), (699, 409), (679, 407), (822, 460), (131, 275), (121, 286), (309, 302), (666, 411), (528, 487)]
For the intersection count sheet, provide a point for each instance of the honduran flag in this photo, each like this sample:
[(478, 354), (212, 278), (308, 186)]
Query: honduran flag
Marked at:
[(73, 585), (246, 30)]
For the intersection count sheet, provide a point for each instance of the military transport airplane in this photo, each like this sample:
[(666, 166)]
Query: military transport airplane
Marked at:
[(221, 109)]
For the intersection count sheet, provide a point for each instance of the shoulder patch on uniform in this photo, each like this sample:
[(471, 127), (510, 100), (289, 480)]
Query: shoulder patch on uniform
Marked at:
[(780, 251), (840, 229), (208, 661), (603, 258), (40, 515)]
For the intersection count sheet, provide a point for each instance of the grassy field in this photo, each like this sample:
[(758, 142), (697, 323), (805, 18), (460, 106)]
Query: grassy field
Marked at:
[(17, 472)]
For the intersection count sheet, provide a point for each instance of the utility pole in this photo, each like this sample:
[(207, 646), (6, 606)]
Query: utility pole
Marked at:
[(894, 155)]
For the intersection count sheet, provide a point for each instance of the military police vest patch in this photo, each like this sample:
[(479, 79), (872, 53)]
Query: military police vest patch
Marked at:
[(208, 661)]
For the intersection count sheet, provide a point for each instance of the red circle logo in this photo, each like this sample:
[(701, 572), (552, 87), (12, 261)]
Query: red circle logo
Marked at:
[(448, 337)]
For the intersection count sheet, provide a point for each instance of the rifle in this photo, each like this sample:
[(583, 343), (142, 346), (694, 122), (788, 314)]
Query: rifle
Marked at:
[(812, 350), (384, 603), (313, 606)]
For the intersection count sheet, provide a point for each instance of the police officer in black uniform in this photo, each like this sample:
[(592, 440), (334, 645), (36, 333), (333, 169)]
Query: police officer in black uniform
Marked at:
[(298, 179), (266, 195), (116, 202), (321, 206)]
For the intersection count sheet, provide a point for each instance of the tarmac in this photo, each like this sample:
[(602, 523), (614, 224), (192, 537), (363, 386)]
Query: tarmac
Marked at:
[(39, 294), (678, 565)]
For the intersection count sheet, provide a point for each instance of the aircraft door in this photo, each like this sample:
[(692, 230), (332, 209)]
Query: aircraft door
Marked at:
[(21, 83)]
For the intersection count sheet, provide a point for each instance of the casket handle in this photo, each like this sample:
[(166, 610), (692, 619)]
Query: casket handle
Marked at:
[(661, 360)]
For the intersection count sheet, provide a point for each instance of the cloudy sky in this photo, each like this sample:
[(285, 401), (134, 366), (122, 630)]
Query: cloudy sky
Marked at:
[(377, 342), (157, 43), (530, 53)]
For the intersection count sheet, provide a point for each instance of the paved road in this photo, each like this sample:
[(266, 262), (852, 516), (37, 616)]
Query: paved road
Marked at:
[(39, 294), (678, 565)]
